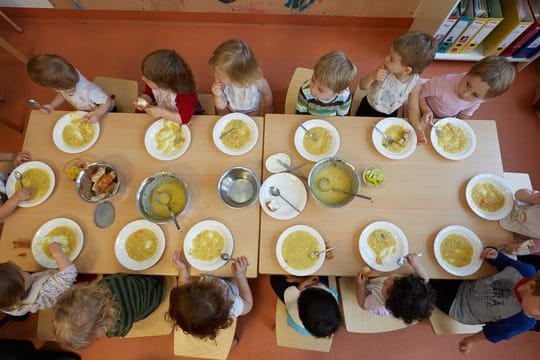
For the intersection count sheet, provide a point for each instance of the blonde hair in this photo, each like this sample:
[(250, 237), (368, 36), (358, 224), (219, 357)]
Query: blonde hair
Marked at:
[(84, 313), (237, 60), (52, 71), (12, 288), (417, 50), (335, 71), (497, 72), (169, 71)]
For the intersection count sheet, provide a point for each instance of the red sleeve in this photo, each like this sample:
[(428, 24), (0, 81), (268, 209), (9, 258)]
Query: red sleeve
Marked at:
[(186, 106)]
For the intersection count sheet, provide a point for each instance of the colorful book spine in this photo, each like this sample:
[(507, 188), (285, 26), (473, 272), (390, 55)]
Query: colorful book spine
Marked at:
[(495, 18), (529, 50), (468, 34), (454, 34), (528, 35)]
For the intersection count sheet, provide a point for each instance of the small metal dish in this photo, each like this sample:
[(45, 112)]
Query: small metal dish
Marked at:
[(238, 187), (83, 183)]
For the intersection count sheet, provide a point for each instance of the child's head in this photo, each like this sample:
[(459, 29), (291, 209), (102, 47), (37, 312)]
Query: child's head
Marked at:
[(52, 71), (83, 314), (531, 300), (165, 69), (14, 283), (411, 53), (200, 308), (234, 62), (332, 74), (488, 78), (319, 311), (409, 297)]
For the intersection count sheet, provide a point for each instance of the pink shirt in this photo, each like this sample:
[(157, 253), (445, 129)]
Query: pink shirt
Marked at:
[(442, 97)]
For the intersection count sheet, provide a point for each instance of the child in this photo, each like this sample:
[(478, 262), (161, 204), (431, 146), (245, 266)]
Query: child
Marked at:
[(109, 307), (21, 292), (7, 206), (55, 72), (239, 85), (508, 302), (459, 95), (204, 306), (398, 80), (312, 307), (408, 297)]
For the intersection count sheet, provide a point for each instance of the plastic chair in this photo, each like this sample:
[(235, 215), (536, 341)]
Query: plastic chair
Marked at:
[(359, 94), (443, 324), (123, 92), (207, 103), (299, 76)]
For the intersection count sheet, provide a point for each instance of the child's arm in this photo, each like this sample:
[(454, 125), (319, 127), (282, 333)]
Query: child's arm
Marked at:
[(16, 158), (158, 112), (528, 196), (239, 268), (267, 100), (361, 291), (11, 204), (427, 114), (466, 344), (414, 260), (60, 256), (500, 261), (56, 102), (220, 102), (414, 114), (183, 272), (463, 116), (100, 111), (378, 75)]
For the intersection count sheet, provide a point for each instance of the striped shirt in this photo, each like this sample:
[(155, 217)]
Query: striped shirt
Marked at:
[(308, 104)]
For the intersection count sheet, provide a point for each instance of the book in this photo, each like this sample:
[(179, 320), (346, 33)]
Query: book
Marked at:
[(528, 50), (456, 31), (476, 23), (494, 13), (446, 26), (531, 32)]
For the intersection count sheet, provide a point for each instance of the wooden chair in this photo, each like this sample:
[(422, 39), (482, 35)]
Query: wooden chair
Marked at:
[(442, 324), (207, 103), (191, 346), (299, 76), (124, 92), (359, 94)]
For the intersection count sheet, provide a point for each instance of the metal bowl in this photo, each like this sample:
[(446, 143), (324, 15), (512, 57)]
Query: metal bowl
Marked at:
[(238, 187), (147, 187), (83, 183), (325, 197)]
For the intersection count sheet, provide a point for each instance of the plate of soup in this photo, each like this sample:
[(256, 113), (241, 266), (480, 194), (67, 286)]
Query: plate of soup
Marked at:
[(457, 249), (323, 143), (235, 134), (72, 134), (205, 242), (381, 244), (453, 138), (37, 176), (295, 249), (489, 196), (139, 245), (64, 231), (166, 139), (402, 134)]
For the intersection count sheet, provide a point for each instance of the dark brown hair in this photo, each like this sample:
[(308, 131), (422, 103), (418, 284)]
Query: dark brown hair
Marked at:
[(417, 50), (497, 72), (169, 71), (411, 298), (237, 60), (12, 287), (52, 71)]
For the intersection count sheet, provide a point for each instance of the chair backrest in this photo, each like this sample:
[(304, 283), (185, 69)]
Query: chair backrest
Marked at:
[(190, 346), (356, 100), (299, 76), (123, 91), (443, 324), (207, 103)]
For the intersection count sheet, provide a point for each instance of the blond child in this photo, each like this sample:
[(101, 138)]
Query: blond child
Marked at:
[(239, 85), (327, 93), (55, 72), (397, 80), (7, 206), (204, 306), (459, 95)]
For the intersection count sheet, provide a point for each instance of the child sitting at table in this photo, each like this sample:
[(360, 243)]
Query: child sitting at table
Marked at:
[(327, 93), (7, 206), (204, 306), (55, 72), (397, 80), (408, 297), (312, 306), (459, 95), (109, 307), (239, 85)]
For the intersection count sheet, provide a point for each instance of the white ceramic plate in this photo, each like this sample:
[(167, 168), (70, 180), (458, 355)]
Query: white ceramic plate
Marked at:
[(192, 234), (389, 262), (300, 272), (39, 240), (10, 185), (120, 245), (59, 128), (151, 144), (468, 131), (475, 263), (377, 139), (503, 187), (291, 188), (220, 125), (299, 139)]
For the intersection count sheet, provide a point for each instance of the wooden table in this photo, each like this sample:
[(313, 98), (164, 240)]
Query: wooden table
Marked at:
[(121, 142), (425, 193)]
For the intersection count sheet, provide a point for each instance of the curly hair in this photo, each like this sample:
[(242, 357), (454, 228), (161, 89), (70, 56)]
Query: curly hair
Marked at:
[(417, 50), (410, 298), (237, 60), (319, 311), (169, 71), (495, 71), (12, 288), (335, 71), (52, 71)]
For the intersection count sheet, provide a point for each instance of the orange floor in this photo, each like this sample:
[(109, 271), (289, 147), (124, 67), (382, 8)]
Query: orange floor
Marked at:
[(114, 45)]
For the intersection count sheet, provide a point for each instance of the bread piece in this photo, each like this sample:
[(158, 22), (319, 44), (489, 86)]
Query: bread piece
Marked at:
[(99, 172)]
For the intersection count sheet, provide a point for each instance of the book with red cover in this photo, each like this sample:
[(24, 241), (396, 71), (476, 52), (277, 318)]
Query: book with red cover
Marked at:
[(531, 32)]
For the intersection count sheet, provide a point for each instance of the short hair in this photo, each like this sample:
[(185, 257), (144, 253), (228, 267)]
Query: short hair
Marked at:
[(169, 71), (238, 61), (200, 308), (82, 313), (417, 50), (335, 71), (319, 311), (496, 71), (52, 71), (410, 298), (12, 289)]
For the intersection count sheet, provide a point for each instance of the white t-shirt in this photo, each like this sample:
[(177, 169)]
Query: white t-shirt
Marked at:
[(388, 95), (86, 96), (242, 99)]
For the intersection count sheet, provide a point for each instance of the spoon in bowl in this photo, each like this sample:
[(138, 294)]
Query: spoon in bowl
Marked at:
[(311, 135), (315, 254), (18, 176), (164, 199), (325, 185), (274, 191), (226, 257)]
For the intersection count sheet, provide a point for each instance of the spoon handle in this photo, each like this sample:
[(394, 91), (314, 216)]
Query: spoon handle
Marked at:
[(175, 221), (289, 203)]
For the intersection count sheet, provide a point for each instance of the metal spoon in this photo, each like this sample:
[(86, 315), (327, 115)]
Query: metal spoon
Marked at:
[(226, 257), (402, 260), (18, 176), (311, 135), (318, 253), (226, 132), (325, 185), (34, 103), (386, 138), (274, 191)]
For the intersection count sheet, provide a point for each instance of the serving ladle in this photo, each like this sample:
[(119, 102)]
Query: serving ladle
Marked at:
[(325, 185), (18, 176), (274, 191), (164, 199)]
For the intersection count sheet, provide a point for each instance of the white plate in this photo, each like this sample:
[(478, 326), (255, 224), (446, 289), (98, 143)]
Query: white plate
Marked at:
[(377, 139), (503, 187), (291, 188), (220, 125), (304, 272), (299, 139), (273, 165), (192, 234), (465, 127), (389, 261), (120, 245), (151, 145), (476, 262), (37, 241), (10, 185), (59, 128)]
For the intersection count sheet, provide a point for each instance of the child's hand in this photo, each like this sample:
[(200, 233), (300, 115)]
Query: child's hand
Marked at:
[(178, 264), (381, 74), (22, 194), (55, 248), (427, 117), (47, 108), (21, 157), (511, 248), (217, 89), (154, 111), (420, 136), (465, 346), (308, 281), (91, 117), (361, 278), (239, 267), (412, 258), (489, 253)]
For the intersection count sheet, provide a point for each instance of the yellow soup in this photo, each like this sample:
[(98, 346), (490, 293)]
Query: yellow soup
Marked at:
[(36, 179), (172, 193), (238, 137), (64, 235), (457, 250), (170, 138), (141, 244), (400, 136), (322, 143), (487, 196), (452, 138), (328, 178), (297, 249), (383, 243), (208, 245), (78, 133)]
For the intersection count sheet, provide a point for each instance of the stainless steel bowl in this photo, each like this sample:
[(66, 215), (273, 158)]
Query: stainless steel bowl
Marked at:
[(144, 195), (238, 187), (83, 183), (322, 196)]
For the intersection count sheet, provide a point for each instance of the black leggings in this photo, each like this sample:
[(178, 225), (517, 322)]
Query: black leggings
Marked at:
[(446, 293), (279, 284), (365, 109)]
